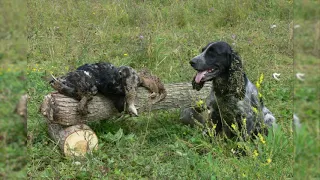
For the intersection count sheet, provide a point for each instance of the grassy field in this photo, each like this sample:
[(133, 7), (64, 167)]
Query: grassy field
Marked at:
[(162, 35)]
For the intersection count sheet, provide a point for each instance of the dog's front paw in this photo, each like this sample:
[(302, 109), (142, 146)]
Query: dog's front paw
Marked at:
[(197, 86), (83, 105), (82, 109), (132, 110)]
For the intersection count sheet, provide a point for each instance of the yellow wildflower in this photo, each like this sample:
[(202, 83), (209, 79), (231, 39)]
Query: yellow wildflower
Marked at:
[(214, 126), (255, 153), (234, 126), (258, 84), (259, 81), (125, 54), (261, 78), (244, 121), (261, 138), (269, 160), (199, 103), (255, 110)]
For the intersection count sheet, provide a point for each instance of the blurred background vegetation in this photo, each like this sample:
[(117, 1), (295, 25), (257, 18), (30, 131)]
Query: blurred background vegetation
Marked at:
[(13, 63), (306, 93)]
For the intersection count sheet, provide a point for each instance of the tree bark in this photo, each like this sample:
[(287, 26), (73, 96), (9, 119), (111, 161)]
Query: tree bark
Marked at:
[(61, 109), (74, 140)]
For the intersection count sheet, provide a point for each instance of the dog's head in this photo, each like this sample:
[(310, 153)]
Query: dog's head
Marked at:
[(214, 60), (129, 77)]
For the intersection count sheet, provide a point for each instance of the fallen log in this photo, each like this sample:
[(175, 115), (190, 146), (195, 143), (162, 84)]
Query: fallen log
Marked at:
[(77, 138), (61, 109)]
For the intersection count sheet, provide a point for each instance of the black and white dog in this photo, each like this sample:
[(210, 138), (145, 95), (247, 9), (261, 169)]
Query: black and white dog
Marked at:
[(117, 83), (233, 98)]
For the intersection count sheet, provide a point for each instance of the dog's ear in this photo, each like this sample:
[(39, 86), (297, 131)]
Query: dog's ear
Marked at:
[(235, 61), (236, 79)]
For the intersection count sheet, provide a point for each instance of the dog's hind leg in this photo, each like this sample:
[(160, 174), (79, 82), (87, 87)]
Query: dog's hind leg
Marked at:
[(72, 92), (83, 105), (191, 116), (268, 117)]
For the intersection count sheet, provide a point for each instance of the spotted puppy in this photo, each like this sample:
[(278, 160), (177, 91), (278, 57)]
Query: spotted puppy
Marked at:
[(117, 83)]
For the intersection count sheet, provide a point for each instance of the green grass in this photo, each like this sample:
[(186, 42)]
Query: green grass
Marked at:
[(162, 36)]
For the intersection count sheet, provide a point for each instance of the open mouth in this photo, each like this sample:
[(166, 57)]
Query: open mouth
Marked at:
[(204, 75)]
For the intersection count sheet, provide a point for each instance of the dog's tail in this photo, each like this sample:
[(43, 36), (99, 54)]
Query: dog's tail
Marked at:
[(53, 79), (55, 83)]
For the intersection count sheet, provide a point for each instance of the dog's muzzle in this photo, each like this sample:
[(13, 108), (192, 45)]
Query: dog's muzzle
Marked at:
[(198, 63)]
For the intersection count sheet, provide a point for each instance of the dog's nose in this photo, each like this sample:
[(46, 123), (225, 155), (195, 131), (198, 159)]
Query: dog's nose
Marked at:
[(192, 63)]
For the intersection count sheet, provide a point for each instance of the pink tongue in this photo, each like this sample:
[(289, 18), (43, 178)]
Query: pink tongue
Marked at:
[(199, 76)]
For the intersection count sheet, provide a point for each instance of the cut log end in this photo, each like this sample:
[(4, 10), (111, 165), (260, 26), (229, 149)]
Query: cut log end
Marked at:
[(80, 142), (74, 140)]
